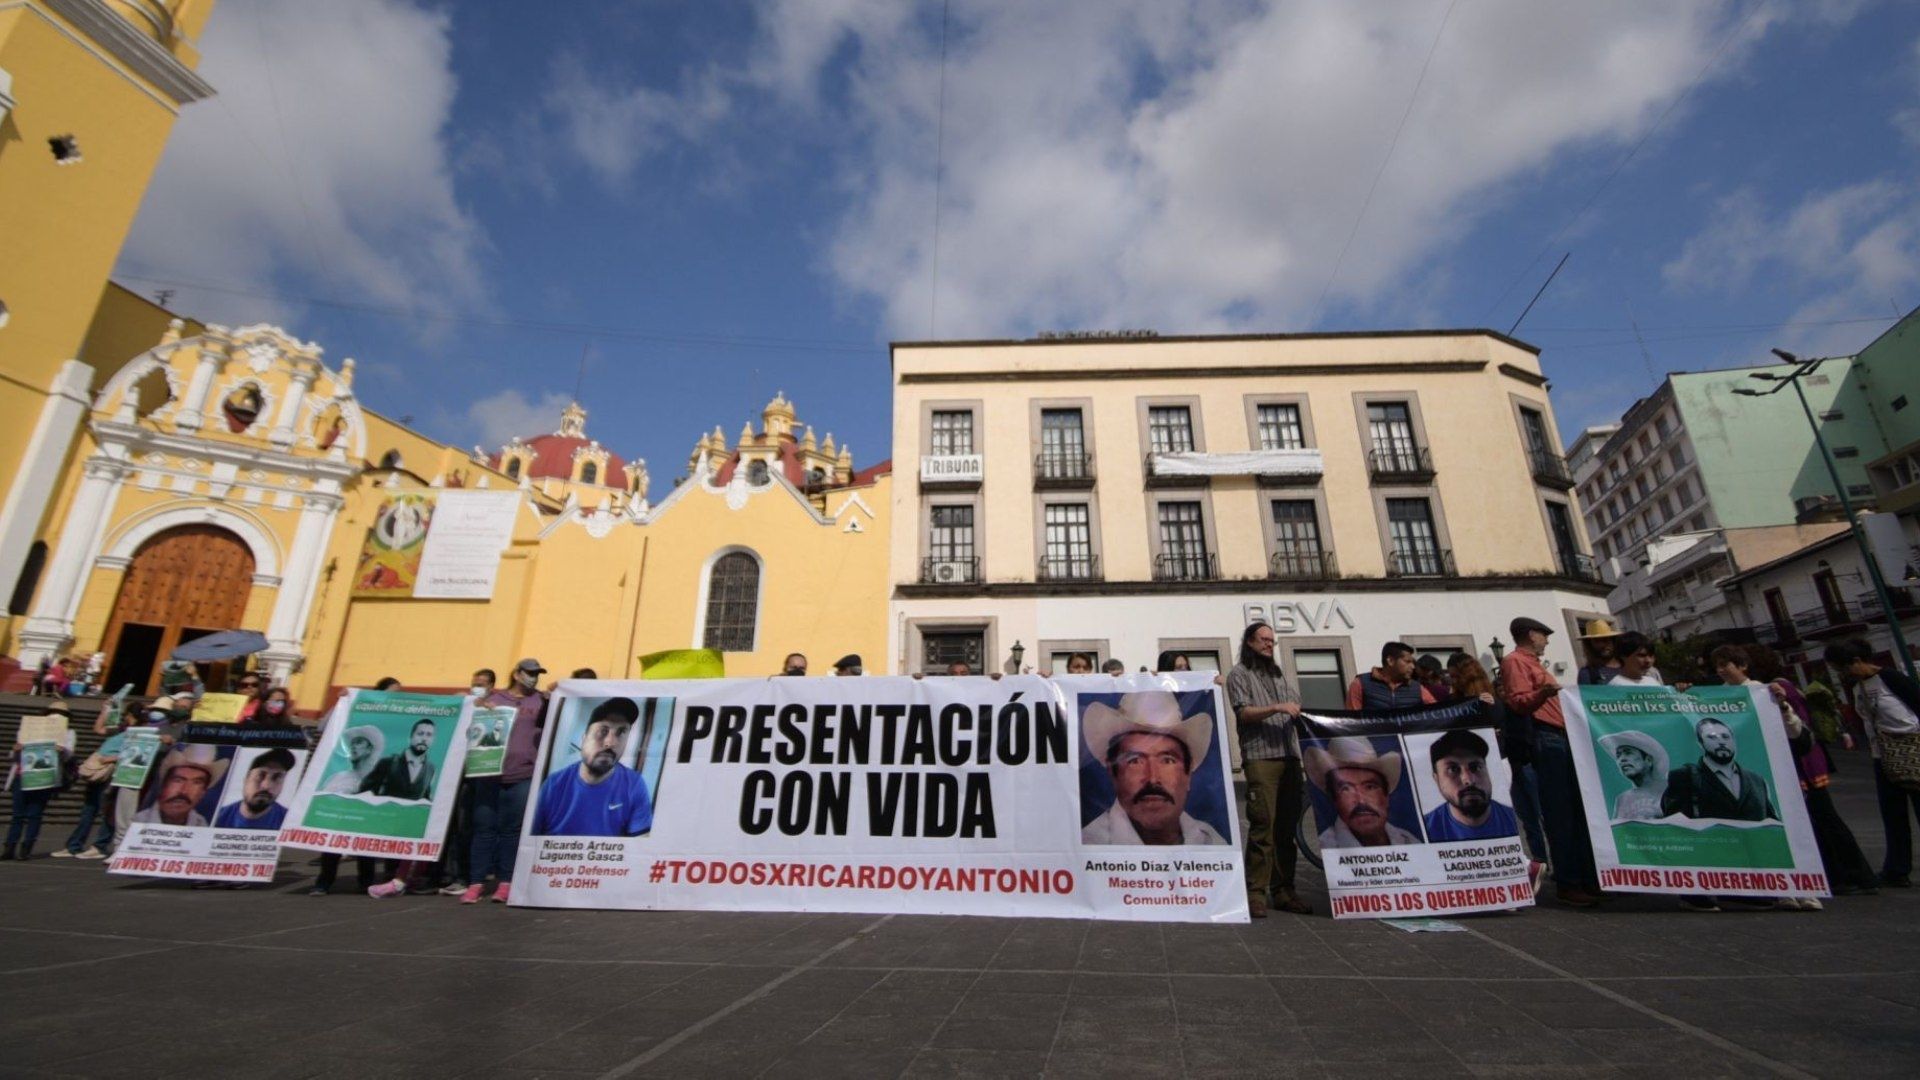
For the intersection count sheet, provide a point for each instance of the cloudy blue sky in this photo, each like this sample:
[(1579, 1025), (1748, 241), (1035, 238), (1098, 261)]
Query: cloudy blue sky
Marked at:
[(715, 201)]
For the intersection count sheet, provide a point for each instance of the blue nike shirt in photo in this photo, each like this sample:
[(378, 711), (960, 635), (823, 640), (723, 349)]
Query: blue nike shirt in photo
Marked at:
[(616, 806), (230, 817), (1442, 828)]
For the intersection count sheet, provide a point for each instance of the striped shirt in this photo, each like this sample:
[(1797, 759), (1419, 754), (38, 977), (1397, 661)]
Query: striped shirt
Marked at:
[(1271, 738)]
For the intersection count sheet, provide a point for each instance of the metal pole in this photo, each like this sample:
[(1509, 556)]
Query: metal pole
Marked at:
[(1853, 525)]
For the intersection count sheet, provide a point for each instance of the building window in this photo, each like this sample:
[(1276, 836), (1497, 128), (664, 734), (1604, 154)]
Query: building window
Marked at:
[(951, 537), (1565, 546), (1296, 539), (952, 432), (1390, 428), (29, 580), (513, 468), (390, 460), (589, 473), (1661, 427), (1280, 427), (1183, 543), (733, 602), (1170, 429), (1782, 619), (1069, 543), (939, 651), (1063, 444), (1323, 685), (1535, 426), (1846, 451), (758, 474), (1831, 600), (1416, 544)]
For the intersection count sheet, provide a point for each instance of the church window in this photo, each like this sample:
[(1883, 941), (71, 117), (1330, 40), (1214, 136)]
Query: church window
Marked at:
[(513, 468), (757, 474), (390, 460), (589, 473), (733, 602), (66, 149)]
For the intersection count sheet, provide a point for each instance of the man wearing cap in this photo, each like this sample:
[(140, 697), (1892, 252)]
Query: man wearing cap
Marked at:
[(1716, 786), (1151, 752), (500, 802), (848, 665), (258, 806), (1459, 760), (1643, 761), (1359, 781), (1530, 690), (186, 775), (600, 796), (1603, 663)]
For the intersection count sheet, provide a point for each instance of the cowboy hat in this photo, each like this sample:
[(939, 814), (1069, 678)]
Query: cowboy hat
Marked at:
[(1155, 712), (1640, 741), (1351, 752), (367, 731), (1600, 628), (195, 756)]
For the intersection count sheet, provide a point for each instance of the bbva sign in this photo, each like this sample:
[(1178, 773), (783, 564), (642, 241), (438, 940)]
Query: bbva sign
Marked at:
[(1296, 616)]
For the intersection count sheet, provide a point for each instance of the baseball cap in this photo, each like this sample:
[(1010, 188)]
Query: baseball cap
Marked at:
[(530, 664)]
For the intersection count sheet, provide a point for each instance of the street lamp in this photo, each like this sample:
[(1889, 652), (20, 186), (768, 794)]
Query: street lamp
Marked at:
[(1016, 654), (1780, 382)]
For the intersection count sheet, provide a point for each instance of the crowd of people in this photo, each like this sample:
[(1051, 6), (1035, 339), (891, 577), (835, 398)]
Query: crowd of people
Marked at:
[(1521, 699)]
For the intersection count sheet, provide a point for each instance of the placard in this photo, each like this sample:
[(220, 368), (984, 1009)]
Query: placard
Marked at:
[(384, 776), (214, 814)]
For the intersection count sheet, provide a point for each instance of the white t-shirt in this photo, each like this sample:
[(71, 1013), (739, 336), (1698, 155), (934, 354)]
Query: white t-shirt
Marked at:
[(1882, 711), (1649, 679)]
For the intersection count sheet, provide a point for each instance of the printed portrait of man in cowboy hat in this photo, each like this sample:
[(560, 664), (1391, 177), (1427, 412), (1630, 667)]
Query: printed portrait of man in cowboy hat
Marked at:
[(1643, 761), (186, 775), (1359, 781), (1151, 752), (361, 746)]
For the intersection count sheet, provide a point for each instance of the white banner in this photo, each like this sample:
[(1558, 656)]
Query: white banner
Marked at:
[(212, 814), (1239, 463), (461, 557), (1085, 797)]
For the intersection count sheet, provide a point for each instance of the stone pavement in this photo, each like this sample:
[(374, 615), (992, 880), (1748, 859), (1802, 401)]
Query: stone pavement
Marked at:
[(108, 976)]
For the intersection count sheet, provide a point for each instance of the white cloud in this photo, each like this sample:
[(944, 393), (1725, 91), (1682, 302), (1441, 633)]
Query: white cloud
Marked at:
[(611, 126), (495, 419), (321, 168)]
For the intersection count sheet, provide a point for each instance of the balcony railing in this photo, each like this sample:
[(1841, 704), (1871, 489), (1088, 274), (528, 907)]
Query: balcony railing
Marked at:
[(1579, 567), (1399, 462), (1550, 468), (1085, 568), (1156, 479), (1063, 469), (1421, 562), (1302, 566), (1196, 566), (950, 571)]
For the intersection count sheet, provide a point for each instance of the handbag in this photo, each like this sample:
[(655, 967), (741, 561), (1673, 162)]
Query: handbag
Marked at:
[(97, 768), (1900, 759)]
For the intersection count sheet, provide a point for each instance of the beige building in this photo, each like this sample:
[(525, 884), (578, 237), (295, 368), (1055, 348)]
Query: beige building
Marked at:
[(1128, 495)]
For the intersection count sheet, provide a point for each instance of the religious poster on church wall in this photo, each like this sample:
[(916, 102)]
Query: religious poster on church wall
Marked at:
[(461, 557), (1077, 797), (1412, 812), (385, 776), (390, 557), (1691, 793), (214, 814)]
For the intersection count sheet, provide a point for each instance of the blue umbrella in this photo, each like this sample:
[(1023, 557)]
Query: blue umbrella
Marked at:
[(224, 645)]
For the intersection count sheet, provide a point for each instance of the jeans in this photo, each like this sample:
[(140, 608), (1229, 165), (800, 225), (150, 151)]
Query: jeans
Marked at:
[(1525, 792), (29, 807), (1275, 803), (90, 809), (1894, 804), (1562, 811), (498, 808)]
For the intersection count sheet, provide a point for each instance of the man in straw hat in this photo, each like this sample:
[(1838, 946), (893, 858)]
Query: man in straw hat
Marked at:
[(1597, 638), (1359, 781), (1643, 761), (186, 775), (1151, 751)]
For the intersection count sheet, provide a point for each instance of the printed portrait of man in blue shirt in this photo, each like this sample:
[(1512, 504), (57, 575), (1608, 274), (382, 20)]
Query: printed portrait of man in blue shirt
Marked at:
[(258, 806), (1469, 812), (600, 796)]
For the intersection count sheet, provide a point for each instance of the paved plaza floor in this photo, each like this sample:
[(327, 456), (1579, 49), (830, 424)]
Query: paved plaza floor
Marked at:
[(105, 976)]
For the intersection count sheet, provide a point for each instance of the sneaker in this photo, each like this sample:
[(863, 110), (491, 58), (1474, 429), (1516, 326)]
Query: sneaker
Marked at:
[(63, 853), (1293, 905), (471, 894), (319, 890), (1537, 873), (91, 854), (458, 888), (1811, 903), (1787, 903), (1256, 907), (500, 894), (1575, 896), (1698, 903), (396, 887)]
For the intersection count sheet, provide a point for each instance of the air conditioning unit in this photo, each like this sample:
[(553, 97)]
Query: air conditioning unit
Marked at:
[(947, 573)]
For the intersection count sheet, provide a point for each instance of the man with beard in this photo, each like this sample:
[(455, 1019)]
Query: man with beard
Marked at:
[(259, 804), (1460, 771), (186, 775), (1360, 782), (1151, 752), (601, 796), (407, 774), (1716, 786), (1264, 706)]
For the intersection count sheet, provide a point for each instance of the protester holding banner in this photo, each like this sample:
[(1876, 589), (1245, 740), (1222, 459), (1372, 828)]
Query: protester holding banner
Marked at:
[(1472, 683), (1888, 705), (30, 795), (97, 774), (159, 719), (500, 802), (1532, 692), (455, 868), (1264, 705)]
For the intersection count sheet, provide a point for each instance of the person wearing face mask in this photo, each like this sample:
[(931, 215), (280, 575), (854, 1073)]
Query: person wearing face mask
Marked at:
[(273, 708), (795, 665), (455, 867), (500, 802), (165, 714)]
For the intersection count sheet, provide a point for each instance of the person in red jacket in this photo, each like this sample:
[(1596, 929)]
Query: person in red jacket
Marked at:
[(1531, 690)]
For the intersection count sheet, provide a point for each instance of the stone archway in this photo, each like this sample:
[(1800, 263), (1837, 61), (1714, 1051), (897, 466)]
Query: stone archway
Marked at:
[(183, 583)]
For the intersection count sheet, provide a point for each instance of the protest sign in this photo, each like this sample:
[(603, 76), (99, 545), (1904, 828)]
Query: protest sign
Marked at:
[(1078, 797), (1412, 812), (385, 776), (39, 765), (461, 557), (1692, 793), (487, 739), (214, 814), (390, 556), (219, 708), (136, 759), (38, 729)]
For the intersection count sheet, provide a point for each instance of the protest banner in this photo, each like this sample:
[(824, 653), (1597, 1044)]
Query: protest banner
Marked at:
[(47, 728), (1412, 814), (487, 739), (385, 776), (214, 814), (1077, 797), (1693, 794), (219, 708), (39, 765), (136, 759), (461, 557), (390, 556)]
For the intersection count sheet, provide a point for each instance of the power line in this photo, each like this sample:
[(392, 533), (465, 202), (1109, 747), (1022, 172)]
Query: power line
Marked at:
[(1384, 162), (939, 174)]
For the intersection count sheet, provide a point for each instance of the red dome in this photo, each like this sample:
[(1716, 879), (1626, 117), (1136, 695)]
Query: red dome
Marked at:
[(553, 457)]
